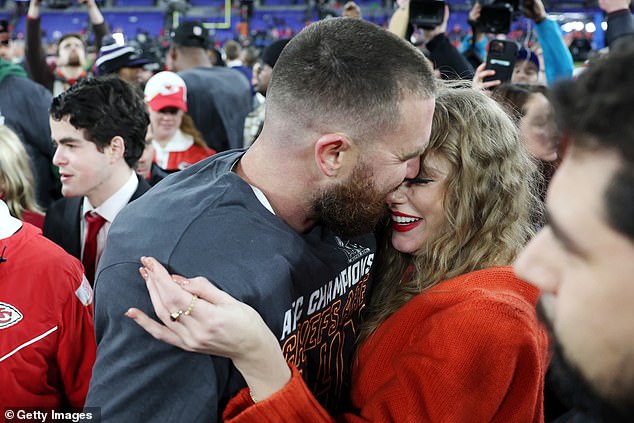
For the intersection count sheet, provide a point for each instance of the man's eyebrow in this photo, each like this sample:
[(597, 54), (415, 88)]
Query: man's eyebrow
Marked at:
[(65, 140), (560, 234)]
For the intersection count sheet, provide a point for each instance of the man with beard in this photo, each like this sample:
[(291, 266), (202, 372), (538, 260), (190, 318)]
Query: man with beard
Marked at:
[(583, 260), (71, 50), (284, 226)]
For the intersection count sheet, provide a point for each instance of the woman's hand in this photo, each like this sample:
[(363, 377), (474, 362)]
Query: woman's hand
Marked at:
[(480, 74), (199, 317)]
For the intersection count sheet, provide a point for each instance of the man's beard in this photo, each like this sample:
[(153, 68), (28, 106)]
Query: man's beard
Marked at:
[(73, 59), (575, 391), (354, 207)]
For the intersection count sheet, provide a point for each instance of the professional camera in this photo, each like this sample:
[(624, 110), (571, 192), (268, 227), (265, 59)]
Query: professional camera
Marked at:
[(496, 16), (426, 14)]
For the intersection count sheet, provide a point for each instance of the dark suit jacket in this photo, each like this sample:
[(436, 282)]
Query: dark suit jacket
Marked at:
[(61, 224)]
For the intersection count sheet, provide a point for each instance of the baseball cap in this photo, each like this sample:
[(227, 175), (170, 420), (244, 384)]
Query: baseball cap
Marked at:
[(166, 89), (113, 57), (191, 34)]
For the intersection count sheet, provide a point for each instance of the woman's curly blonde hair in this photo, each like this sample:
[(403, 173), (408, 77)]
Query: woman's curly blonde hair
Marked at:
[(490, 196)]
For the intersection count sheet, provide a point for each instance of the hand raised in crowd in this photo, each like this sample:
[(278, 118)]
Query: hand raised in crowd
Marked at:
[(535, 10), (474, 13), (609, 6), (481, 73), (88, 3), (199, 317)]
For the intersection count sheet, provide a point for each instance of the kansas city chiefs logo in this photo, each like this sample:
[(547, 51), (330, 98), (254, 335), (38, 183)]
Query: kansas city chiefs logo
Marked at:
[(9, 315)]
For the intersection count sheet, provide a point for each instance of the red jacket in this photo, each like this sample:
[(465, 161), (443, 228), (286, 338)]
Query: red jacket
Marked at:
[(47, 340), (469, 349), (179, 160)]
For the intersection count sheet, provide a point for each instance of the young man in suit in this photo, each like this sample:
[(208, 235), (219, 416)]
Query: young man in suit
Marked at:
[(98, 127)]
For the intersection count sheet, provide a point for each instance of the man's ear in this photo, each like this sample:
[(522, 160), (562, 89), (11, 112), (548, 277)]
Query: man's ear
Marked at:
[(117, 148), (331, 151)]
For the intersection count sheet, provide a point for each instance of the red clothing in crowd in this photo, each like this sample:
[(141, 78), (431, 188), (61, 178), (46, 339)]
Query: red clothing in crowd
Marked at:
[(179, 160), (47, 339), (35, 219), (469, 349)]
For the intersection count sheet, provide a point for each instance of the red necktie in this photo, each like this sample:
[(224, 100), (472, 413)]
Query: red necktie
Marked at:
[(94, 222)]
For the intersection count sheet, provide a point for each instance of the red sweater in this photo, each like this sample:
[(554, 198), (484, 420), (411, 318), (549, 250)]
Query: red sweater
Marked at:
[(470, 349)]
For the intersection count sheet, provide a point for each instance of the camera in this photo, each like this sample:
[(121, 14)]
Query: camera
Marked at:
[(496, 16), (426, 14)]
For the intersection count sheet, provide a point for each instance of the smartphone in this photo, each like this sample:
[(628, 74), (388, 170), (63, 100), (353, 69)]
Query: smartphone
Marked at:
[(426, 14), (501, 58)]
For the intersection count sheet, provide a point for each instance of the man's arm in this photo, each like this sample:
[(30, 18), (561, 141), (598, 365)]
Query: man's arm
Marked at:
[(620, 21), (558, 62), (99, 26), (34, 54)]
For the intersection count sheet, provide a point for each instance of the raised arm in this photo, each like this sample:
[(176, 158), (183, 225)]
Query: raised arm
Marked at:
[(620, 21), (558, 62), (34, 53), (99, 26)]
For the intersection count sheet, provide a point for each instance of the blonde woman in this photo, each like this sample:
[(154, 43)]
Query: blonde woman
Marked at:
[(451, 333), (17, 185)]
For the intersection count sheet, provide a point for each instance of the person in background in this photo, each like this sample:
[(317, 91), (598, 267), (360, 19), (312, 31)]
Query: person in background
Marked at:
[(98, 126), (557, 58), (233, 52), (5, 41), (261, 77), (125, 61), (47, 347), (620, 22), (70, 65), (583, 259), (447, 60), (17, 185), (176, 142), (219, 98), (146, 167), (446, 312), (24, 109)]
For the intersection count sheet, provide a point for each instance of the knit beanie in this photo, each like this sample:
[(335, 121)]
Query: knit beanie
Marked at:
[(273, 51)]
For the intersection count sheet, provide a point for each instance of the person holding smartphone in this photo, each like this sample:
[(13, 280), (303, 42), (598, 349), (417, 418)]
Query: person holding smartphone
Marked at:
[(557, 60)]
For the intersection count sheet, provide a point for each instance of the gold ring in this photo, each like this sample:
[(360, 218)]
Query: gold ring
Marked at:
[(191, 305), (175, 315)]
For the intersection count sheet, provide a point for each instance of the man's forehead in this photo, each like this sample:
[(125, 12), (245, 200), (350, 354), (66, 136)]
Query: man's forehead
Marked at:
[(71, 41)]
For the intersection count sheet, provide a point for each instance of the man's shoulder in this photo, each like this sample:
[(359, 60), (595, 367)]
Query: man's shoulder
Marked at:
[(58, 207)]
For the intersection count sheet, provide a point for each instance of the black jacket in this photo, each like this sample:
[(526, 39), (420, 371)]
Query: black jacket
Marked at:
[(61, 224)]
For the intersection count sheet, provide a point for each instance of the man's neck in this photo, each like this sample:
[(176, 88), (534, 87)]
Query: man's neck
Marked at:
[(109, 187), (290, 197), (70, 72)]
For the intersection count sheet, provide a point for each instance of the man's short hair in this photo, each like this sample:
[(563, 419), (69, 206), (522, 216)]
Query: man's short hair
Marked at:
[(347, 75), (595, 112), (191, 34), (106, 107), (71, 35)]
